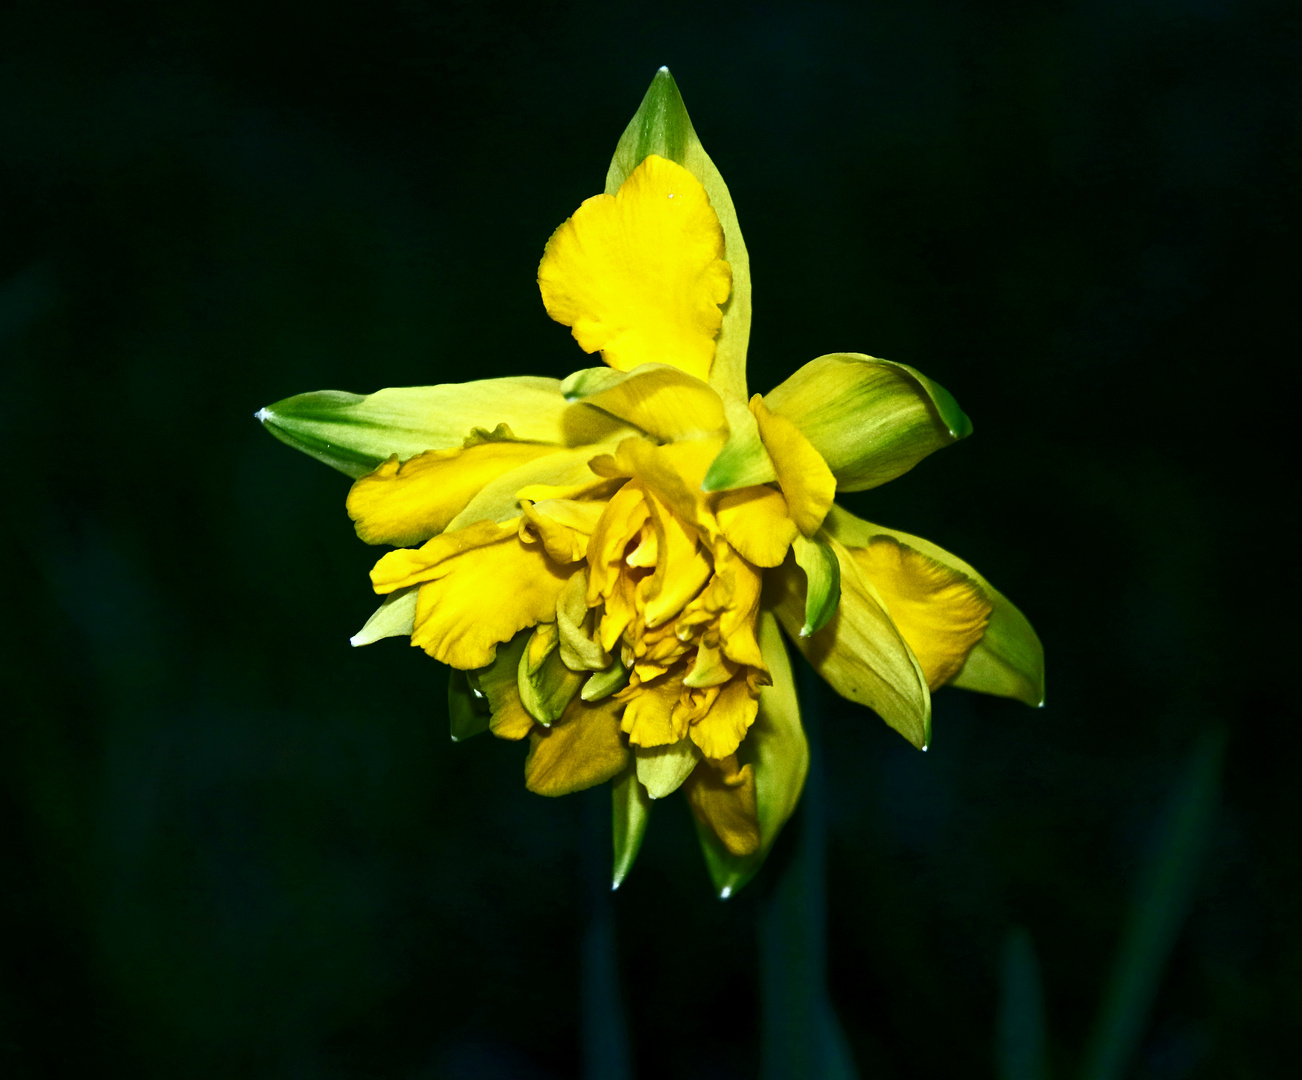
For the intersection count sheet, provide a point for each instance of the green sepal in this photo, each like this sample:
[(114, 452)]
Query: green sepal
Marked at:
[(602, 684), (1008, 661), (872, 420), (661, 126), (545, 684), (355, 433), (778, 751), (822, 581), (630, 811), (468, 714)]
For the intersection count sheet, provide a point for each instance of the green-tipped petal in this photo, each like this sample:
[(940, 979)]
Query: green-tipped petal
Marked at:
[(468, 713), (630, 811), (860, 652), (395, 617), (743, 461), (545, 684), (822, 582), (777, 749), (871, 420), (354, 433), (1009, 659), (661, 126), (604, 683)]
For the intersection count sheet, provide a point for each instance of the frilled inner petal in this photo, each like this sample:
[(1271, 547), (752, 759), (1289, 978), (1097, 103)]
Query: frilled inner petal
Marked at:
[(938, 611), (479, 586), (640, 275)]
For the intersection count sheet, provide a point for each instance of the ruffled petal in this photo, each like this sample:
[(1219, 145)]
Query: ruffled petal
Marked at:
[(640, 275)]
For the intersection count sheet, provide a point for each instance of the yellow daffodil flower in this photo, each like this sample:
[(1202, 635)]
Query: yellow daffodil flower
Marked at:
[(605, 561)]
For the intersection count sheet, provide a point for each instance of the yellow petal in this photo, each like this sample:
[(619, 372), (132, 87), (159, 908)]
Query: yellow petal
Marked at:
[(711, 667), (723, 798), (756, 523), (581, 749), (674, 473), (562, 525), (681, 567), (648, 719), (620, 522), (940, 612), (668, 404), (640, 275), (722, 729), (478, 587), (1009, 659), (806, 481), (732, 598), (407, 504), (500, 499)]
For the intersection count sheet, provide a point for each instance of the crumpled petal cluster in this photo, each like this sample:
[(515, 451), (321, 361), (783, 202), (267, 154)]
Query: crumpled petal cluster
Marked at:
[(605, 562)]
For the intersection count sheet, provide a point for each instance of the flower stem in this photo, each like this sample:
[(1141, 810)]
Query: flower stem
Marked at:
[(801, 1036)]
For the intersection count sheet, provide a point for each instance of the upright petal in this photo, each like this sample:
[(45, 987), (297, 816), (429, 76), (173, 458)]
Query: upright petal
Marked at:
[(640, 275)]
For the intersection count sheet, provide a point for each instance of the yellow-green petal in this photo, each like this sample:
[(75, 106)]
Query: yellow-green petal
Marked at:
[(546, 685), (393, 618), (859, 652), (630, 812), (662, 769), (355, 433), (661, 126), (822, 582), (1008, 661), (871, 420)]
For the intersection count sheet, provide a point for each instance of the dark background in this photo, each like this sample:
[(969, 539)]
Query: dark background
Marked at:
[(235, 846)]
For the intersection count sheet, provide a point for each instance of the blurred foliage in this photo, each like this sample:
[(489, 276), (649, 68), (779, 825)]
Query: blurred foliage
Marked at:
[(236, 845)]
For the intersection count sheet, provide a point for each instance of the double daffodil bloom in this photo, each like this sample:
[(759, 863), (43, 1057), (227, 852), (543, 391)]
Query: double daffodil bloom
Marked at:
[(605, 561)]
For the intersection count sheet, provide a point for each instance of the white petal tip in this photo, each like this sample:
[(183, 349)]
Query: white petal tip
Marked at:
[(262, 415), (356, 640), (664, 69), (806, 632), (725, 892), (614, 885), (924, 747)]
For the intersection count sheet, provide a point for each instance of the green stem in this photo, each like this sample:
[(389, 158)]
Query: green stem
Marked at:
[(801, 1036)]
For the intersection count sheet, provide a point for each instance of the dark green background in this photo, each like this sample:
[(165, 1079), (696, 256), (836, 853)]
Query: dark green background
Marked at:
[(235, 846)]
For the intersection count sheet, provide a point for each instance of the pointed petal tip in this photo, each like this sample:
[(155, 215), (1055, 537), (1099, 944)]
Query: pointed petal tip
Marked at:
[(263, 415), (725, 892), (663, 69)]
